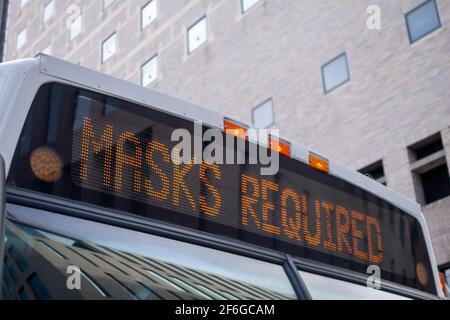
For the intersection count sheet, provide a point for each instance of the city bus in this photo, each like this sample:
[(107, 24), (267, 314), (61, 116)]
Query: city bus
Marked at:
[(94, 207)]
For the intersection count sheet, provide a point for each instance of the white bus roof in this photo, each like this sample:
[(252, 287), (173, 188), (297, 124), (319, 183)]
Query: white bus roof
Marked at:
[(20, 80)]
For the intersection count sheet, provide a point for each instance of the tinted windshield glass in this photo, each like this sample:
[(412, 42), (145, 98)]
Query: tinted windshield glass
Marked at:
[(39, 263), (325, 288)]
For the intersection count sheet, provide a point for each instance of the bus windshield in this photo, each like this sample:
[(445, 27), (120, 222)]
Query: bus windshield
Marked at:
[(123, 264), (100, 150)]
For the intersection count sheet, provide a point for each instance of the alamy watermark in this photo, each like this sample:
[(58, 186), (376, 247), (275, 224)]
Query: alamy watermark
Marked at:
[(74, 13), (374, 279), (189, 149), (74, 277)]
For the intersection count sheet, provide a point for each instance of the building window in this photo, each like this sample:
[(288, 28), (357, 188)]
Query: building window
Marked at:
[(429, 168), (335, 73), (426, 147), (247, 4), (149, 71), (435, 183), (375, 171), (149, 13), (422, 20), (107, 3), (108, 47), (197, 34), (263, 116), (49, 10), (23, 3), (75, 27), (21, 38)]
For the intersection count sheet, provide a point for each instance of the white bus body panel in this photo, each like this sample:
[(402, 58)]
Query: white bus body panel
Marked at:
[(21, 79)]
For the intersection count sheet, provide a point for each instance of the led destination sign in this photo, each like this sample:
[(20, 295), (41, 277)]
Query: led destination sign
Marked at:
[(296, 209), (95, 149)]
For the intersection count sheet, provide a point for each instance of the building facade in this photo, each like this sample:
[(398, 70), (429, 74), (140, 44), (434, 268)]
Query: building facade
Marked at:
[(365, 82)]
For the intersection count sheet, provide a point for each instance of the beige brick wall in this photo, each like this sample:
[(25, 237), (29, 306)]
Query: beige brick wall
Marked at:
[(438, 220), (398, 93)]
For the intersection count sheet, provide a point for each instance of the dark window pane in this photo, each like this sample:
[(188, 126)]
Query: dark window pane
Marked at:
[(429, 149), (375, 171), (436, 184)]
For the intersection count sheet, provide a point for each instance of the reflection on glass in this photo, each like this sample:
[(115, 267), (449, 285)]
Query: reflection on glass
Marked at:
[(423, 20), (124, 264)]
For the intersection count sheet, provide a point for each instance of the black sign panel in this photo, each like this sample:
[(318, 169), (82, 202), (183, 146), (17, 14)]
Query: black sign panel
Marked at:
[(88, 147)]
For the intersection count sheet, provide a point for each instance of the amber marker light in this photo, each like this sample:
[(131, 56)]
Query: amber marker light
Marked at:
[(318, 163), (280, 146), (442, 282), (421, 273), (46, 164), (235, 129)]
